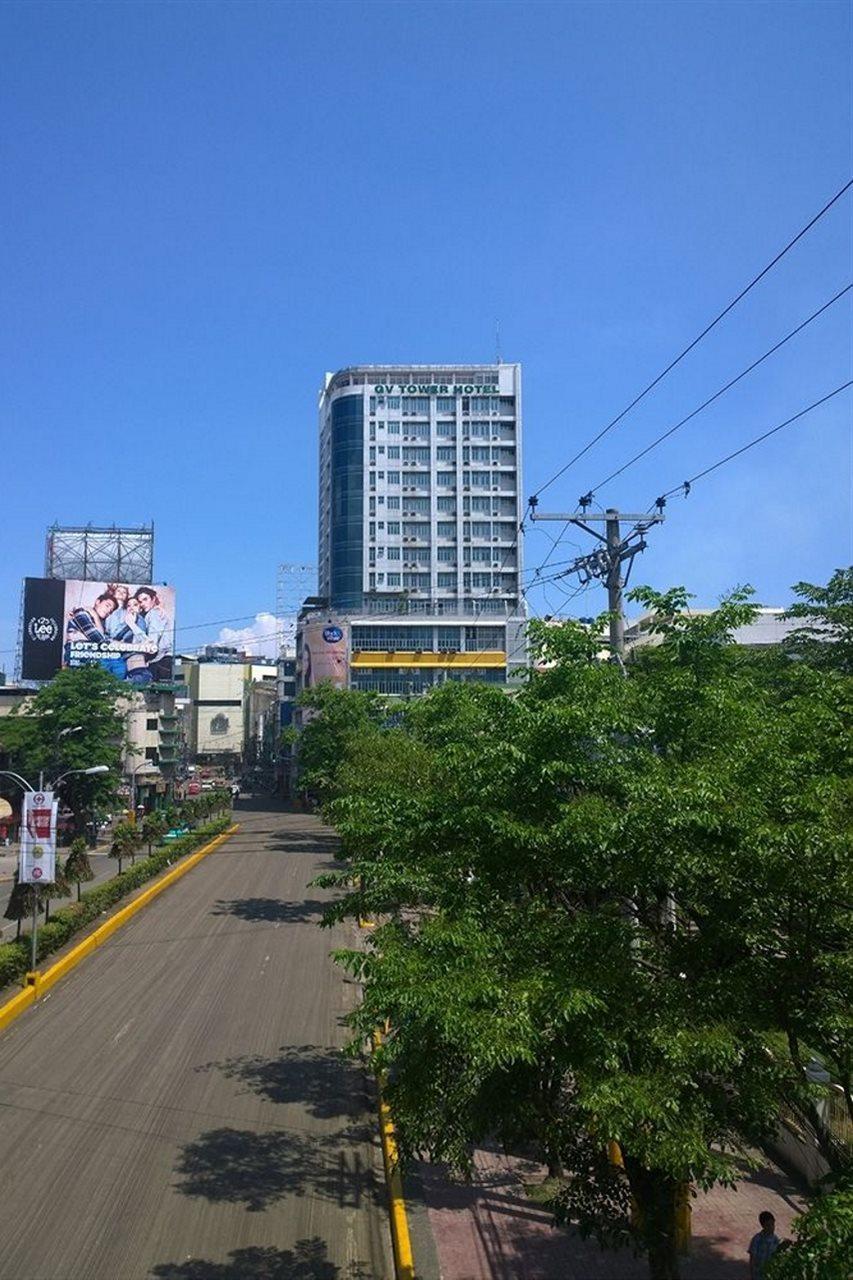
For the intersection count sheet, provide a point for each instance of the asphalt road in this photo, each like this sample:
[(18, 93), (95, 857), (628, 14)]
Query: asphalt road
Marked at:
[(176, 1108)]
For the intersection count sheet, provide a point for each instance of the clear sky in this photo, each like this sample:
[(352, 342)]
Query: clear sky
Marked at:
[(207, 205)]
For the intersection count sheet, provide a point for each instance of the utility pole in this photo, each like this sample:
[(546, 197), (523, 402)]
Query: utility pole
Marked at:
[(605, 563)]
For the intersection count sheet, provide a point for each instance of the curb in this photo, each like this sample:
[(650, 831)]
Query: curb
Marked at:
[(401, 1244), (38, 982)]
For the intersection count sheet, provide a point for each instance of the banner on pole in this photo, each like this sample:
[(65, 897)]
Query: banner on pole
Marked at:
[(38, 838)]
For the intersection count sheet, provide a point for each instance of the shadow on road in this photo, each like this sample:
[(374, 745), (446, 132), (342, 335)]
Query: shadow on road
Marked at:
[(272, 909), (307, 1260), (322, 1080), (241, 1166)]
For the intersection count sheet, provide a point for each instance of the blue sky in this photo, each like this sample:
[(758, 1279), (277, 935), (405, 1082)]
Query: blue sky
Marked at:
[(208, 205)]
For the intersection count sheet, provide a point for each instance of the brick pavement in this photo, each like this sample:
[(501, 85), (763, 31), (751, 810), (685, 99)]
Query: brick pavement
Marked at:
[(492, 1231)]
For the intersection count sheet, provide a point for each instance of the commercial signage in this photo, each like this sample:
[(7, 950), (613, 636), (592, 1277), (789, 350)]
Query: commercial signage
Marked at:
[(325, 654), (435, 389), (128, 628), (38, 838)]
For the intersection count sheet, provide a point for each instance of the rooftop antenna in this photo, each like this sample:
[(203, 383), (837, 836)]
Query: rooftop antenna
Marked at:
[(498, 360)]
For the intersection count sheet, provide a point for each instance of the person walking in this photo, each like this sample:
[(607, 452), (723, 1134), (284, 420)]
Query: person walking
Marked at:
[(762, 1246)]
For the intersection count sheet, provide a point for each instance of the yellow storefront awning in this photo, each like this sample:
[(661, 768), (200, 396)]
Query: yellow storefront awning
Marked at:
[(362, 658)]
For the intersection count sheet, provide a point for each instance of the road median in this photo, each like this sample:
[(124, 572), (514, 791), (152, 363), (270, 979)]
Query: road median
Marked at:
[(38, 982)]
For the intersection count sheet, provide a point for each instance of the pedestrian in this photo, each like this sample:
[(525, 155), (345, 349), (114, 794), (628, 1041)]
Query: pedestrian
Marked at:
[(762, 1246)]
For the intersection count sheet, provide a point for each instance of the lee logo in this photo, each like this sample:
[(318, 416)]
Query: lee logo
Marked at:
[(42, 629)]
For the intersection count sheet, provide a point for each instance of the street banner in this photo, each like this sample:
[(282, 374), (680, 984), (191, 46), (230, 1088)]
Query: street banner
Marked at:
[(38, 838)]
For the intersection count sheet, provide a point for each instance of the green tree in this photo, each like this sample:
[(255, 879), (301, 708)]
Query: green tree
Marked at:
[(20, 904), (78, 867), (154, 827), (592, 899), (826, 637), (338, 717), (75, 722), (57, 888), (126, 842), (823, 1248)]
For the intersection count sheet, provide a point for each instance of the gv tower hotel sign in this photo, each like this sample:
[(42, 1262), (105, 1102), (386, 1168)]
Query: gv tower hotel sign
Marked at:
[(419, 503)]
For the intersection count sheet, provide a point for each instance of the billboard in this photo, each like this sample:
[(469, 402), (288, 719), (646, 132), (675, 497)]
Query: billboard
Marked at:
[(128, 628), (324, 653), (38, 838)]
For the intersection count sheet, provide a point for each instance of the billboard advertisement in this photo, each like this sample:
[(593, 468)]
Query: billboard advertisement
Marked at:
[(325, 655), (38, 838), (128, 628)]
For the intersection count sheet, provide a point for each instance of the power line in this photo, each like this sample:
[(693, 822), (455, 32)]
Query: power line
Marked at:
[(687, 485), (672, 364), (671, 430)]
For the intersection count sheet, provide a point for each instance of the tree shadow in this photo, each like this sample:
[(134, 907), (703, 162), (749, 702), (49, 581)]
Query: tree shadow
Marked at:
[(307, 1260), (276, 910), (242, 1166), (327, 1084)]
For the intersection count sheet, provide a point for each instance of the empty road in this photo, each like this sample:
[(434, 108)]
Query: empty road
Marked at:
[(175, 1109)]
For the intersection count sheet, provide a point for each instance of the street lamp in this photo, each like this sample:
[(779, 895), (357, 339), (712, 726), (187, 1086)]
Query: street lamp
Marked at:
[(142, 765), (26, 786)]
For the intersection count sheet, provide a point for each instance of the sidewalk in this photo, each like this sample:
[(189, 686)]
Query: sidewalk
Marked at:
[(493, 1231)]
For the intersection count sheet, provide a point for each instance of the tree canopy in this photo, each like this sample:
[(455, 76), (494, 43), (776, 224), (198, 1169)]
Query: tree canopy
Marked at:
[(75, 722), (609, 909)]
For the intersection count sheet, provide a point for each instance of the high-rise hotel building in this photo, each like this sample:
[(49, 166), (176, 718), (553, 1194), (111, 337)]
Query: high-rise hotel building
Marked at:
[(420, 502)]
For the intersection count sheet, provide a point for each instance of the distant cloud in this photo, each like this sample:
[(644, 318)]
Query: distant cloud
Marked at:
[(261, 638)]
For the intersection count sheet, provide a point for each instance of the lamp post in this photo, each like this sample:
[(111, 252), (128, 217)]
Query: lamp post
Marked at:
[(142, 764), (27, 786)]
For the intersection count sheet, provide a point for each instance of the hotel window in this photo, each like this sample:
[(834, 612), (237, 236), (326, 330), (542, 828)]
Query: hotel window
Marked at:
[(393, 403), (415, 453), (446, 504), (448, 638), (481, 554), (415, 404), (447, 581), (445, 478), (446, 528), (373, 506), (393, 526), (373, 479), (393, 502), (393, 579), (393, 552), (447, 554), (394, 452), (480, 529), (481, 504), (447, 430), (445, 453), (381, 475), (446, 404), (481, 479), (393, 477), (480, 453), (373, 404), (373, 453), (480, 428), (481, 579), (416, 479), (393, 428), (372, 529)]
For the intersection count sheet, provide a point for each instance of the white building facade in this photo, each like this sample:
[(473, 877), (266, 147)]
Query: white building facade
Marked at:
[(420, 500)]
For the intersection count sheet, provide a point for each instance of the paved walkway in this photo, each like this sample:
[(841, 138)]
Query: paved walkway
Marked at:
[(493, 1231)]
